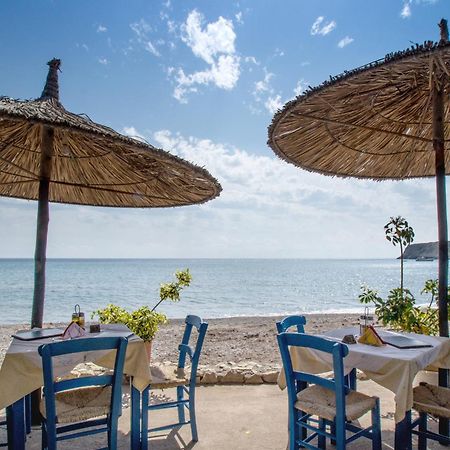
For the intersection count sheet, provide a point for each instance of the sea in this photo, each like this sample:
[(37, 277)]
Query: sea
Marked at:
[(219, 288)]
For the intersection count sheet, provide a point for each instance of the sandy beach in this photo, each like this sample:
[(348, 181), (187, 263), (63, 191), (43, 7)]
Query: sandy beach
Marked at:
[(236, 339)]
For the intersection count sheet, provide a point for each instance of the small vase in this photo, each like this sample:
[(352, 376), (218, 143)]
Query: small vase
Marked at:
[(148, 349)]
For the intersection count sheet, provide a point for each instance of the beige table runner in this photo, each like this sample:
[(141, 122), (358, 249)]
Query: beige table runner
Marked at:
[(390, 367), (21, 371)]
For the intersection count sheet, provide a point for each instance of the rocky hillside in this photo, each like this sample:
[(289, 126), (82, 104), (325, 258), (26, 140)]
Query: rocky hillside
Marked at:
[(425, 250)]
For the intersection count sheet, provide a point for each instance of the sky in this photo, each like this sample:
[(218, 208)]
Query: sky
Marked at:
[(202, 80)]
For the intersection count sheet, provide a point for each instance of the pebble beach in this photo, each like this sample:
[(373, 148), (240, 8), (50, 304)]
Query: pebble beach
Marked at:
[(235, 339)]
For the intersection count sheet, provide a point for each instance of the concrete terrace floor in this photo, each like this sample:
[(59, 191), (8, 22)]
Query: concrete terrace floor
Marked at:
[(235, 417)]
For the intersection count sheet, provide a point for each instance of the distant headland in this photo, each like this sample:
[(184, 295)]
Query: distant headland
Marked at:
[(427, 251)]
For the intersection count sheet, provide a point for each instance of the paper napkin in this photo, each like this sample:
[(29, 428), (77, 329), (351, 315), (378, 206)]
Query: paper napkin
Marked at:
[(370, 337)]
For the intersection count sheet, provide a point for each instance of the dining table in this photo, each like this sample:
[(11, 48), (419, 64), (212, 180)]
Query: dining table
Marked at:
[(391, 367), (21, 374)]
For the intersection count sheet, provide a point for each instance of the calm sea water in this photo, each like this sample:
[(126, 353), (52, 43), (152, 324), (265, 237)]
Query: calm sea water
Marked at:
[(220, 287)]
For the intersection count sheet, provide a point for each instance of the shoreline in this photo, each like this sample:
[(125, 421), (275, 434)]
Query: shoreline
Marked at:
[(242, 339)]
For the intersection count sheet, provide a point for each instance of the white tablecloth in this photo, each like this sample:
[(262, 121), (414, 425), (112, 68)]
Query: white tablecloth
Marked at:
[(388, 366), (21, 371)]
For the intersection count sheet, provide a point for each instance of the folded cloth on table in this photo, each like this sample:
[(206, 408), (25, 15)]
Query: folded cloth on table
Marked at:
[(370, 337)]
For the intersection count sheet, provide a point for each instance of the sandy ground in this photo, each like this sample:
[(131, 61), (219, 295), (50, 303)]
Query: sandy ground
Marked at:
[(237, 339)]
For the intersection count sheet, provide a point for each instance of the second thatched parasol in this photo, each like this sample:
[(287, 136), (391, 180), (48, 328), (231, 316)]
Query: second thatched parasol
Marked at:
[(386, 120)]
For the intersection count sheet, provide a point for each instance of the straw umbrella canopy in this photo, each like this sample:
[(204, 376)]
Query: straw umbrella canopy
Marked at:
[(388, 120), (51, 155)]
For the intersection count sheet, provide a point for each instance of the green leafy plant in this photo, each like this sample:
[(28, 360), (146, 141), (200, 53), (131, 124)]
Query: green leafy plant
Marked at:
[(145, 321), (111, 314), (400, 312), (171, 291), (392, 311), (398, 231)]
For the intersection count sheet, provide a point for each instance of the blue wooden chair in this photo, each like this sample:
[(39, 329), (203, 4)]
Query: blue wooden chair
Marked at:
[(292, 321), (283, 326), (429, 400), (299, 322), (72, 402), (330, 400), (175, 376)]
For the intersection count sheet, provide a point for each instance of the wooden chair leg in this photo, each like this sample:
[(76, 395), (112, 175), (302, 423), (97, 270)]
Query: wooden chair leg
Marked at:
[(423, 417), (340, 433), (44, 437), (192, 415), (321, 440), (144, 418), (112, 435), (180, 407), (376, 424), (302, 431), (293, 428), (333, 432), (28, 413)]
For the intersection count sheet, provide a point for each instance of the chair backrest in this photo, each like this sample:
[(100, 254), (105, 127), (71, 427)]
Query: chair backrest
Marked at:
[(55, 349), (186, 349), (291, 321), (288, 342)]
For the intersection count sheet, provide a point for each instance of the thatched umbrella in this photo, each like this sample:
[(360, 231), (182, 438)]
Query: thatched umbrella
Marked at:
[(387, 120), (51, 155)]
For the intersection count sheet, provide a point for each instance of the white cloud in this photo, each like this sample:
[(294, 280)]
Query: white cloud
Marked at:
[(264, 84), (103, 61), (265, 95), (406, 10), (218, 37), (263, 195), (214, 44), (101, 29), (252, 60), (83, 46), (345, 41), (278, 52), (171, 26), (141, 30), (133, 133), (295, 214), (273, 104), (238, 18), (321, 27), (300, 87)]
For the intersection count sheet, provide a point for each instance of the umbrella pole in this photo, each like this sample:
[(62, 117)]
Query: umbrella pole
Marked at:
[(438, 145), (41, 249), (42, 227)]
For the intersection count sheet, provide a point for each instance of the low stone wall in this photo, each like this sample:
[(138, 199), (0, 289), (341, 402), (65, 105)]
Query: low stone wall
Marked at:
[(225, 373), (237, 373)]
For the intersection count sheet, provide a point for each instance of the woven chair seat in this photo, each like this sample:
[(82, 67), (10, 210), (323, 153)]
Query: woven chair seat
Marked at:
[(80, 404), (165, 376), (320, 401), (430, 399)]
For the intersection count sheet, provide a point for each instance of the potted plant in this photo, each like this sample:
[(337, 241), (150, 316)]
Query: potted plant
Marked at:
[(145, 321)]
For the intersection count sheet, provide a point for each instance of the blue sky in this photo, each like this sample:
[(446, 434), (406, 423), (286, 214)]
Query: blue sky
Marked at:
[(202, 79)]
